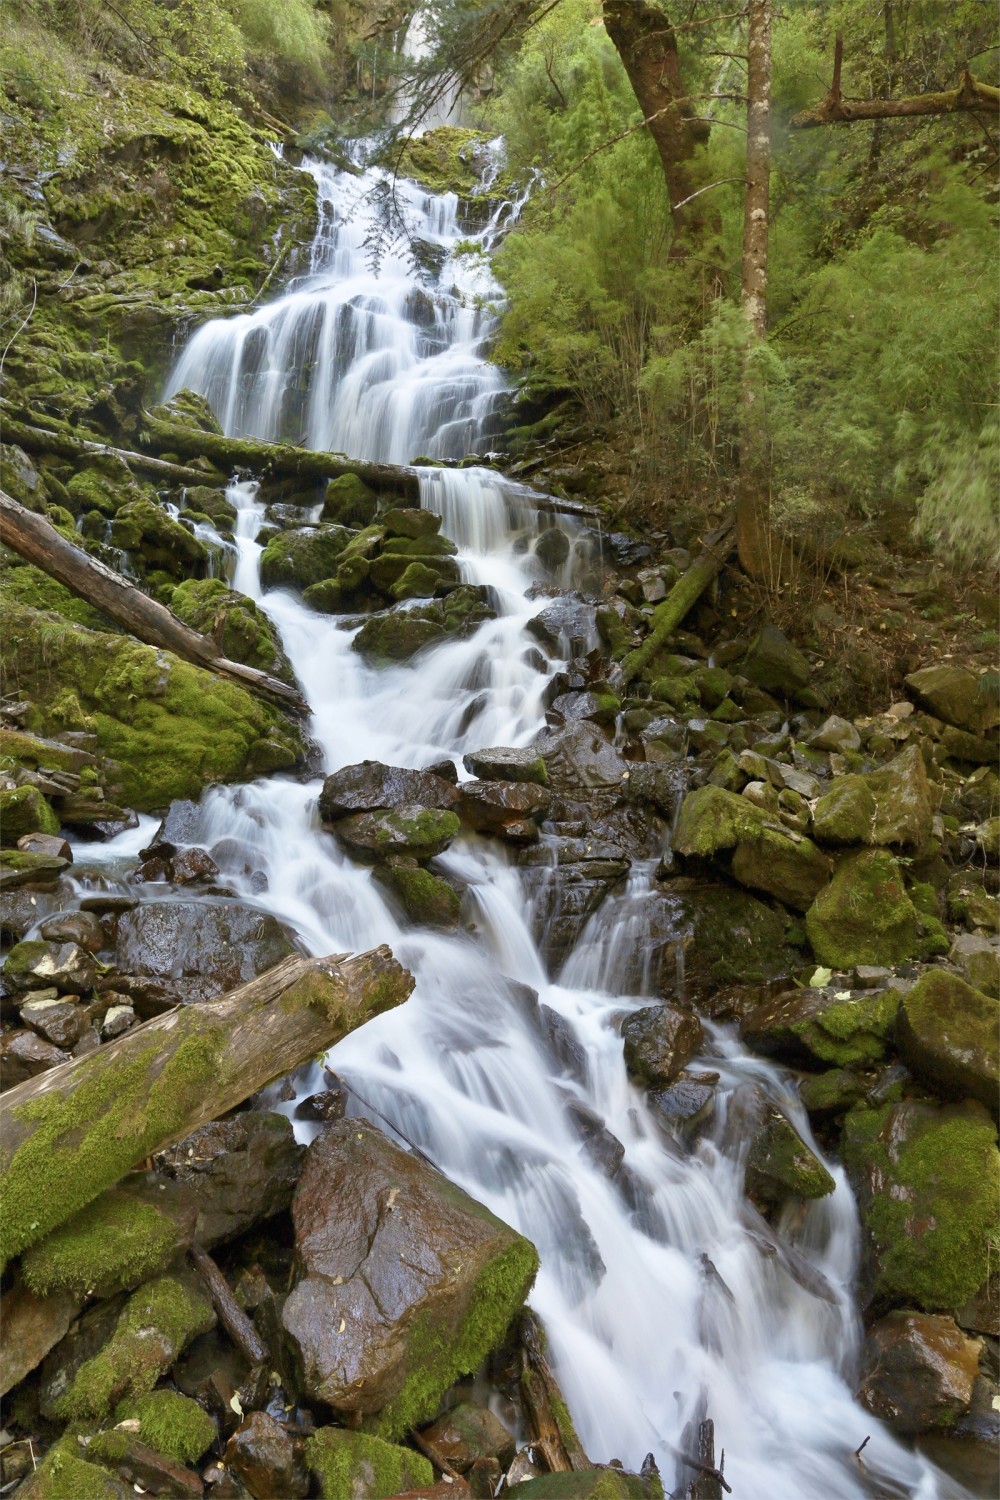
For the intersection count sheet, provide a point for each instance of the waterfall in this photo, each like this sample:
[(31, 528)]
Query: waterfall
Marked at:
[(664, 1298)]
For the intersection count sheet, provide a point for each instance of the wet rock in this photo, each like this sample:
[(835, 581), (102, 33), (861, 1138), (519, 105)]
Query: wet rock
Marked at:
[(192, 865), (61, 1022), (864, 915), (38, 965), (297, 559), (141, 1466), (949, 1036), (156, 541), (53, 845), (23, 810), (979, 959), (786, 865), (918, 1372), (370, 786), (779, 1164), (328, 1105), (363, 1467), (566, 627), (926, 1177), (567, 880), (503, 764), (202, 949), (774, 664), (32, 1325), (396, 635), (388, 1249), (269, 1462), (604, 1149), (890, 807), (426, 899), (828, 1095), (237, 1171), (659, 1041), (600, 707), (806, 1027), (21, 909), (24, 1055), (552, 547), (958, 696), (349, 502), (117, 1020), (687, 1103), (421, 832), (468, 1433), (836, 734), (80, 927), (509, 809)]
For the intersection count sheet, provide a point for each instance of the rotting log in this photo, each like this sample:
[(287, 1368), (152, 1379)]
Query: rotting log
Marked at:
[(75, 1130), (276, 460), (971, 95), (37, 541), (43, 440), (552, 1430), (682, 597)]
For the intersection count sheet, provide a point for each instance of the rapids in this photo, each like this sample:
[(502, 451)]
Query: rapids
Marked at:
[(663, 1303)]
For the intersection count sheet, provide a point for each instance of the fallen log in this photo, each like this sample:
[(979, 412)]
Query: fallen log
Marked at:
[(75, 1130), (231, 1315), (38, 542), (276, 460), (682, 597), (43, 440), (552, 1430)]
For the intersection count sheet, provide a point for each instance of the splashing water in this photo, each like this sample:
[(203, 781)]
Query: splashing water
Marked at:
[(665, 1297)]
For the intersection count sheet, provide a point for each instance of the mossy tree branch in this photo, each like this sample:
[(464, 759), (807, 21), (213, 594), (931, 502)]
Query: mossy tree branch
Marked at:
[(682, 597)]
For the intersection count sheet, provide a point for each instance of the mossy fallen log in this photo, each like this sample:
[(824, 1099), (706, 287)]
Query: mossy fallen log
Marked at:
[(75, 1130), (682, 597), (276, 460), (49, 440), (36, 540)]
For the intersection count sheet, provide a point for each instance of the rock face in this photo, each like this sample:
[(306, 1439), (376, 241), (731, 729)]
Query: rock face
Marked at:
[(927, 1178), (407, 1282), (202, 949), (948, 1035), (919, 1372)]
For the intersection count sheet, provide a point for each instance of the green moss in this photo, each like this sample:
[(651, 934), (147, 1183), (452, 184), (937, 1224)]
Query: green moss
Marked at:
[(172, 1424), (591, 1484), (437, 1360), (114, 1242), (298, 559), (864, 915), (27, 585), (712, 819), (933, 1216), (349, 501), (444, 159), (241, 629), (83, 1142), (64, 1475), (23, 810), (425, 898), (851, 1032), (156, 1324), (833, 1092), (349, 1464)]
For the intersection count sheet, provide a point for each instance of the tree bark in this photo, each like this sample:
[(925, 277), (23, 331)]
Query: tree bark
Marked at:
[(645, 42), (75, 1130), (38, 542), (981, 98), (753, 507), (552, 1431), (682, 597)]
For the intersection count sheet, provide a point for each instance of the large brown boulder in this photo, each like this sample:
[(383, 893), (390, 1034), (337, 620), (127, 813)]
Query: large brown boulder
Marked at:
[(919, 1371), (659, 1041), (406, 1281)]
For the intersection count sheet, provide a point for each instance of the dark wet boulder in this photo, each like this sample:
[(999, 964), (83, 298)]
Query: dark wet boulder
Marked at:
[(358, 1466), (660, 1041), (568, 879), (467, 1433), (818, 1027), (918, 1372), (511, 810), (269, 1461), (370, 786), (949, 1036), (406, 1282), (598, 707), (504, 764), (24, 1055), (236, 1172), (426, 899), (927, 1178), (38, 965), (603, 1148), (779, 1164), (566, 627), (419, 832), (32, 1326), (80, 927), (684, 1104), (20, 910), (59, 1021), (864, 915), (396, 635), (201, 948)]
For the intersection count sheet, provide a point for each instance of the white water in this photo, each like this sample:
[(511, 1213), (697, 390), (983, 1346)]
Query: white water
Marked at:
[(645, 1335)]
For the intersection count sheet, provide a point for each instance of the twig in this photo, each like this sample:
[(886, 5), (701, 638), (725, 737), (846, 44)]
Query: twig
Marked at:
[(231, 1315), (696, 1463), (858, 1451), (707, 189), (27, 320), (429, 1451)]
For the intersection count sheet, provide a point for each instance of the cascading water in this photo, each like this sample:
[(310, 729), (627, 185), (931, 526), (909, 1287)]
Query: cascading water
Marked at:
[(664, 1297)]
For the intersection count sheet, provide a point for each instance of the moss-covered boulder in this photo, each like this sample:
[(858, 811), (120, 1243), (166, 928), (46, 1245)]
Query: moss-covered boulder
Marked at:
[(783, 864), (864, 915), (298, 559), (170, 1423), (958, 696), (949, 1036), (774, 664), (448, 159), (155, 1326), (810, 1028), (241, 628), (359, 1466), (104, 485), (712, 820), (420, 832), (35, 964), (116, 1242), (890, 807), (23, 810), (425, 898), (64, 1474), (927, 1178), (156, 541), (349, 502), (779, 1164), (165, 729), (398, 634), (394, 1303), (591, 1484)]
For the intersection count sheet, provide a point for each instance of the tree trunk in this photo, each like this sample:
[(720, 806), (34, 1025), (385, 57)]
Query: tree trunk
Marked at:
[(643, 38), (971, 95), (753, 508), (682, 597), (36, 540), (42, 440), (77, 1129), (552, 1430)]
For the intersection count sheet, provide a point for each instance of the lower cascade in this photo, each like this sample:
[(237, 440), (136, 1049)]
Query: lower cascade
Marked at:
[(665, 1297)]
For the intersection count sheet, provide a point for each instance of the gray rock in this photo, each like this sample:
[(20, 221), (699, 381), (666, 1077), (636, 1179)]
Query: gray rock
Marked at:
[(959, 697), (567, 627), (24, 1055), (371, 785), (836, 734), (61, 1022), (774, 664), (236, 1171), (202, 949)]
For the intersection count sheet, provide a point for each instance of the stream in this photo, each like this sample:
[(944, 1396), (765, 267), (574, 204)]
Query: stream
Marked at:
[(665, 1303)]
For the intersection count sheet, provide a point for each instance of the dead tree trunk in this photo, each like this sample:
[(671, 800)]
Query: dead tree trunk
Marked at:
[(70, 1133), (753, 508), (682, 597), (38, 542), (552, 1430), (43, 440), (970, 95)]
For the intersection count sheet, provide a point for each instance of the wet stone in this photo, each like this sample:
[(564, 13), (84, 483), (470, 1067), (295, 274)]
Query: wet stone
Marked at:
[(918, 1372), (659, 1041), (503, 764), (61, 1022), (467, 1434), (117, 1020), (687, 1103), (80, 927), (371, 786), (268, 1461), (51, 845)]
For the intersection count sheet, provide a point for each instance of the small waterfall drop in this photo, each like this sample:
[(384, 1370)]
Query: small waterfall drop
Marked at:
[(665, 1297)]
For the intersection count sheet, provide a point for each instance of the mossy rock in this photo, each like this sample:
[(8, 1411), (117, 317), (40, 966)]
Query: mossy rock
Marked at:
[(64, 1474), (23, 810), (21, 583), (104, 487), (445, 160), (188, 409), (170, 728), (241, 628), (20, 479), (349, 502), (172, 1424), (111, 1245), (417, 581), (825, 1095), (789, 867), (358, 1466), (712, 819), (887, 807), (781, 1165), (425, 898), (156, 1325), (391, 567), (806, 1027), (864, 915), (298, 559), (948, 1036), (409, 521), (927, 1178), (421, 832), (143, 529), (591, 1484), (397, 635)]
